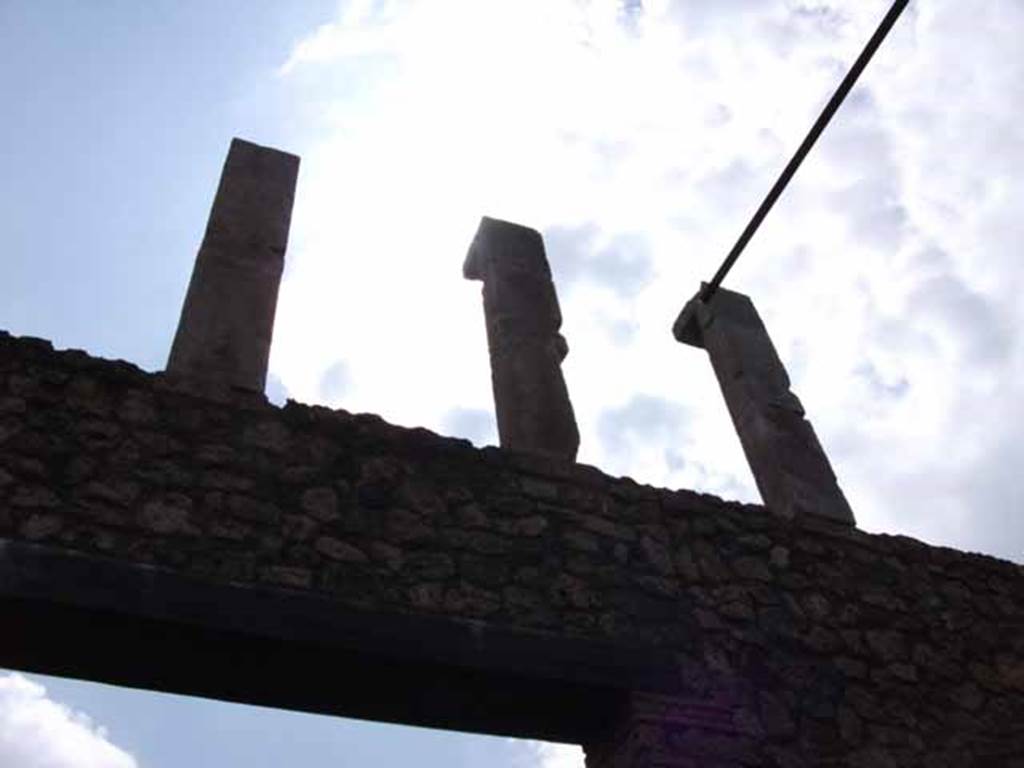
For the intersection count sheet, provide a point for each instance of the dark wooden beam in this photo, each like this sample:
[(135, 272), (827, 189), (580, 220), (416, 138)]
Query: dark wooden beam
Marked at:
[(80, 616)]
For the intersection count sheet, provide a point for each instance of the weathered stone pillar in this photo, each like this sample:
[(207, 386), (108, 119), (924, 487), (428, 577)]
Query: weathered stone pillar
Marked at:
[(523, 319), (227, 320), (789, 465), (654, 731)]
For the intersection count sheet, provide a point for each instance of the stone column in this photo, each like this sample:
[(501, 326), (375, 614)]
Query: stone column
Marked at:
[(655, 731), (523, 319), (789, 465), (227, 320)]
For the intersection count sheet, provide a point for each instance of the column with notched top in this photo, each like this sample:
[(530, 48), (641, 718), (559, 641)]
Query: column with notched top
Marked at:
[(790, 467), (523, 320)]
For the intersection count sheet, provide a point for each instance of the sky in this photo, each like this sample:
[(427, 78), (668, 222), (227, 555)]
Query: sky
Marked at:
[(638, 136)]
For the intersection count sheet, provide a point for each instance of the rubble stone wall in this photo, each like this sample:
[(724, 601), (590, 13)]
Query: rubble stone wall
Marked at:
[(829, 645)]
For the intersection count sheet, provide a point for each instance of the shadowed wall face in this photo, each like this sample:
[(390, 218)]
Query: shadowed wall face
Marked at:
[(523, 319), (790, 467), (321, 560), (227, 320)]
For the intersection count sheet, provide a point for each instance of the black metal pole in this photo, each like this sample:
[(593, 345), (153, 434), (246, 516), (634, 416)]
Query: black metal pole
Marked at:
[(816, 130)]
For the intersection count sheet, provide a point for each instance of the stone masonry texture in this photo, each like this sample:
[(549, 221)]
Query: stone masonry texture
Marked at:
[(522, 315), (790, 467), (227, 319), (797, 642)]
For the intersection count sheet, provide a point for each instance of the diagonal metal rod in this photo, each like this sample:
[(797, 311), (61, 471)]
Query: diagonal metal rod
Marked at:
[(816, 130)]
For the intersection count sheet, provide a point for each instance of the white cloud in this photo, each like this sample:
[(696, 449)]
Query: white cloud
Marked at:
[(545, 754), (37, 732), (558, 755), (640, 138)]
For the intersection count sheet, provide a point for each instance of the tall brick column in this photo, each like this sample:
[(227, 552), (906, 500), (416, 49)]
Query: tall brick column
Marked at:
[(523, 320), (227, 320), (791, 470)]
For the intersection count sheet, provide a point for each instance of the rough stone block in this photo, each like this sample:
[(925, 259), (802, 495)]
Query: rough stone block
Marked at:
[(657, 731), (227, 320), (523, 319), (790, 467)]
